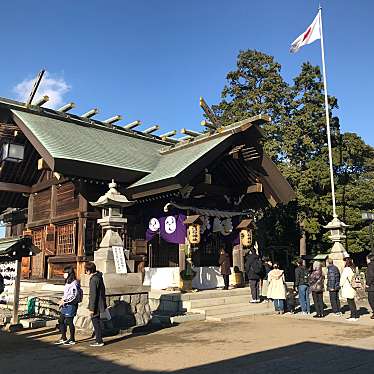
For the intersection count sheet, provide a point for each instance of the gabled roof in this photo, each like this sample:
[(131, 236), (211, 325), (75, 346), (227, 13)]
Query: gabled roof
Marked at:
[(175, 162), (76, 146), (68, 146), (16, 247)]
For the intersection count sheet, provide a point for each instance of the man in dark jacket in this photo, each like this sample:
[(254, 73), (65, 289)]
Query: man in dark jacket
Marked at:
[(254, 269), (301, 285), (97, 302), (333, 285), (370, 281)]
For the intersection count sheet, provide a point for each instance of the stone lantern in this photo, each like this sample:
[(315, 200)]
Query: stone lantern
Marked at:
[(337, 235), (127, 298), (112, 221)]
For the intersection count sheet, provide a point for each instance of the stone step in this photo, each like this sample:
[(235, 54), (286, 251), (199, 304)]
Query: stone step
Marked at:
[(235, 315), (211, 294), (223, 309), (202, 303)]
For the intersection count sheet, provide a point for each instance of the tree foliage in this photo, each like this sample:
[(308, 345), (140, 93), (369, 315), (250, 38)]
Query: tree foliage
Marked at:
[(296, 140)]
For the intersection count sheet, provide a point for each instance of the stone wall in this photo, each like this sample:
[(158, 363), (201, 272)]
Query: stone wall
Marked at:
[(126, 311)]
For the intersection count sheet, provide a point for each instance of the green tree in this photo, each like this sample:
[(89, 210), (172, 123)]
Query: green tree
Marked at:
[(257, 87), (297, 140), (355, 192)]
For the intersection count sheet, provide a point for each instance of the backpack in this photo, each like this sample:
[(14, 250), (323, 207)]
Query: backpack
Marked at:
[(356, 282), (79, 297), (257, 266)]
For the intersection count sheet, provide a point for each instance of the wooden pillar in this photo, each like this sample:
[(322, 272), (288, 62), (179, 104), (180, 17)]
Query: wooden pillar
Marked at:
[(17, 284)]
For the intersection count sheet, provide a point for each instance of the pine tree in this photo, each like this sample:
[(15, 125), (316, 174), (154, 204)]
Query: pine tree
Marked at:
[(256, 87)]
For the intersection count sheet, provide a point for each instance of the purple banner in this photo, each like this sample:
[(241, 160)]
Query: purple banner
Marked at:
[(171, 228)]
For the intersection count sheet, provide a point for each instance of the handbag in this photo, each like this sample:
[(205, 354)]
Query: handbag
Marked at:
[(106, 315), (69, 310)]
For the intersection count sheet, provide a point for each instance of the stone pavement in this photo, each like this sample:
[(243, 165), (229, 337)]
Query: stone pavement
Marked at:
[(256, 344)]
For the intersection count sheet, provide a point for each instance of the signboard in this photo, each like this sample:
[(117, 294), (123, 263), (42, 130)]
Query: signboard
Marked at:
[(119, 260), (9, 272)]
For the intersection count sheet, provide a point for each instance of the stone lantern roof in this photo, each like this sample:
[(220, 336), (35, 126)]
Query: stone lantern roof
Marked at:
[(112, 198)]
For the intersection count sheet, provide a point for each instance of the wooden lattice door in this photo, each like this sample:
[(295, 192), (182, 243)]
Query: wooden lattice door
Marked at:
[(37, 261)]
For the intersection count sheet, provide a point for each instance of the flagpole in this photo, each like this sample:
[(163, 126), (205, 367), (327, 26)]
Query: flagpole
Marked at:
[(327, 118)]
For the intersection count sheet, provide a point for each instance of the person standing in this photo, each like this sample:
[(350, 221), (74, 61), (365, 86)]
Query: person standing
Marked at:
[(97, 302), (277, 288), (333, 286), (302, 286), (316, 282), (68, 306), (268, 266), (224, 262), (348, 291), (253, 267), (2, 284), (370, 281)]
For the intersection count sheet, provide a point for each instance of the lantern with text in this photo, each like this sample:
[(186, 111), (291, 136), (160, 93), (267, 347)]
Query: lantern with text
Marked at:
[(193, 231), (246, 228)]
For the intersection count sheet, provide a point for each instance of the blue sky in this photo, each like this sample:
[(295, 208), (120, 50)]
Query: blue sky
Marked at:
[(152, 60)]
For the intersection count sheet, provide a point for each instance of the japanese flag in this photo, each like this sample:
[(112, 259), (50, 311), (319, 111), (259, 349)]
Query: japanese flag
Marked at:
[(312, 33)]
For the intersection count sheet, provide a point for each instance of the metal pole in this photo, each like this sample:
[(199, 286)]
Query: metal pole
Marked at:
[(371, 236), (17, 283), (327, 118)]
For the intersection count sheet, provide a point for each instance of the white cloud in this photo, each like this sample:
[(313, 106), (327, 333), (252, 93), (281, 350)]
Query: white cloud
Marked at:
[(52, 85)]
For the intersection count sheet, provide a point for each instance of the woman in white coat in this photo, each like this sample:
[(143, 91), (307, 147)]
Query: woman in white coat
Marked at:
[(277, 288), (348, 291)]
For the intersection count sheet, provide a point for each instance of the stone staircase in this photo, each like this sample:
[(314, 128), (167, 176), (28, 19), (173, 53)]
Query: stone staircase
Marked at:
[(223, 305)]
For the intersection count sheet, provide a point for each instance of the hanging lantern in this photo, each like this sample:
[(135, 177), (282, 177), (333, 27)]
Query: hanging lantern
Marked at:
[(246, 237), (193, 228), (13, 152), (246, 228), (194, 234)]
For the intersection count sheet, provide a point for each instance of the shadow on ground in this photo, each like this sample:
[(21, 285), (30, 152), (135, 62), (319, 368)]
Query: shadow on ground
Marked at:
[(24, 353)]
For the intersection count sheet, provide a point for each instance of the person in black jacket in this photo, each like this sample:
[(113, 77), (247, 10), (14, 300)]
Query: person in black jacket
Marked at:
[(2, 284), (301, 285), (370, 281), (254, 269), (97, 302), (333, 286)]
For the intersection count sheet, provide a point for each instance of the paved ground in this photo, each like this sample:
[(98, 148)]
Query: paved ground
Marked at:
[(260, 344)]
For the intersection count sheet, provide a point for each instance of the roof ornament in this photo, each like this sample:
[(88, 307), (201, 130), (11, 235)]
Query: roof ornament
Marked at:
[(132, 125), (168, 134), (90, 113), (209, 113), (151, 129), (65, 108), (38, 79), (42, 100), (191, 133), (113, 119)]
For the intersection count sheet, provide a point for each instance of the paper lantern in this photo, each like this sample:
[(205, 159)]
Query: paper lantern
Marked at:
[(246, 237), (194, 234)]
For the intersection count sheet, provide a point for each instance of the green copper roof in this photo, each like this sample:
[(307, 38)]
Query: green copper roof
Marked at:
[(172, 164), (87, 143)]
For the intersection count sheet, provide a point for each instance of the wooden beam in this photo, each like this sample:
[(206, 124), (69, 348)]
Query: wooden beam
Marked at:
[(255, 188), (42, 165), (14, 187)]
